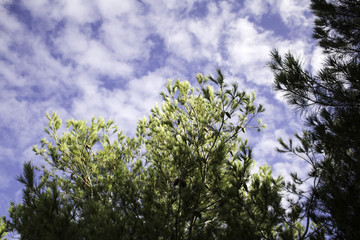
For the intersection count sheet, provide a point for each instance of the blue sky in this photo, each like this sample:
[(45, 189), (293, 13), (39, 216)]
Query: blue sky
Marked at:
[(111, 58)]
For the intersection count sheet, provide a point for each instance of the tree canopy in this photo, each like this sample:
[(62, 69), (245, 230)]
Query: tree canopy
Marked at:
[(331, 103), (186, 174)]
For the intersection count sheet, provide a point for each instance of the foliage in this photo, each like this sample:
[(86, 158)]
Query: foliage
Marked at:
[(42, 206), (331, 103), (337, 26), (2, 230), (187, 174)]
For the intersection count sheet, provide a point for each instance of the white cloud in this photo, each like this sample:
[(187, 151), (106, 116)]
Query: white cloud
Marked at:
[(208, 33), (79, 10), (108, 104), (246, 44), (248, 47), (91, 54), (181, 43), (127, 105), (126, 37), (293, 166), (256, 7), (114, 8), (7, 153), (72, 83), (72, 42), (8, 22), (317, 60), (293, 12), (97, 57)]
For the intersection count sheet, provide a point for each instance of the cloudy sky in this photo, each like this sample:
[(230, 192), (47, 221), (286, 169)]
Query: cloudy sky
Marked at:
[(111, 58)]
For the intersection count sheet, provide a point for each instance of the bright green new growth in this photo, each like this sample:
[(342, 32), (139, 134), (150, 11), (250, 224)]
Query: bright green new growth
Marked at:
[(187, 174), (2, 230)]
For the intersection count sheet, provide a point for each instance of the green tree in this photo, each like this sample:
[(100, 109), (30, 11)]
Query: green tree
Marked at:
[(2, 229), (201, 167), (186, 174), (331, 103), (42, 206)]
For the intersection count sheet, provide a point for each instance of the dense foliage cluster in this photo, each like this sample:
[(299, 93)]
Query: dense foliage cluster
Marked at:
[(187, 174), (331, 103)]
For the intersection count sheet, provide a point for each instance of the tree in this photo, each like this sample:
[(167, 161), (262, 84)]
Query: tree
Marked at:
[(2, 229), (187, 174), (331, 103), (42, 206)]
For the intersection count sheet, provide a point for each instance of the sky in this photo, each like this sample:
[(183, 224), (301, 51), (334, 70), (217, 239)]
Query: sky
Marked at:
[(112, 58)]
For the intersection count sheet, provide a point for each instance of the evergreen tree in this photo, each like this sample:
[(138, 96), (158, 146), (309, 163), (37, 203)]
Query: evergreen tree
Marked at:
[(2, 229), (331, 103), (187, 174)]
